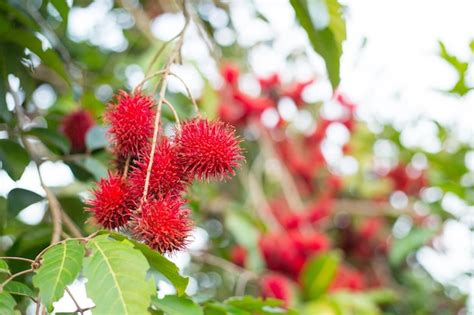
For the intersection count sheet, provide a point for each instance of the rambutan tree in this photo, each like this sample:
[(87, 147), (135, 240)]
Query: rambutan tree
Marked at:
[(123, 190)]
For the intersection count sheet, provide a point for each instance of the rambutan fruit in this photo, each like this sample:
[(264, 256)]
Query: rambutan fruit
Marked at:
[(166, 177), (75, 126), (162, 224), (209, 150), (276, 286), (111, 206), (238, 255), (131, 120)]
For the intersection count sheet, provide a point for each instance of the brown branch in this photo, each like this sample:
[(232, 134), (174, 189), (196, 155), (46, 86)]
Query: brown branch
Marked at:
[(78, 308), (18, 258)]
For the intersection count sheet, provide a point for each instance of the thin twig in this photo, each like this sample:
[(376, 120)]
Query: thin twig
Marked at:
[(147, 78), (175, 114), (18, 258), (127, 165), (4, 283), (78, 308), (290, 190), (54, 205), (188, 90), (156, 127)]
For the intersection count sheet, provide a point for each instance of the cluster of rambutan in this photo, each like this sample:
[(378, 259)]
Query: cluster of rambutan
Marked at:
[(146, 197)]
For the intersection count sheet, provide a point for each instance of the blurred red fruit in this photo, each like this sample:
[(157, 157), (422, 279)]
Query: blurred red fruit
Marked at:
[(277, 287), (75, 126)]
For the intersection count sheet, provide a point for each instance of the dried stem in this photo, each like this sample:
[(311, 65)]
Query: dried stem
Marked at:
[(290, 190), (164, 81), (78, 308), (147, 78), (175, 114), (127, 165), (188, 90), (18, 258)]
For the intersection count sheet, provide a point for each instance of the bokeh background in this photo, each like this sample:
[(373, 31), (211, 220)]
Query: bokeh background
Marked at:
[(392, 68)]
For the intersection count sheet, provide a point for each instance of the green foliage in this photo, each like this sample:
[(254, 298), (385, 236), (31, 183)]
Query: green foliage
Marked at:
[(404, 246), (54, 140), (246, 305), (60, 265), (18, 199), (461, 67), (18, 288), (96, 138), (116, 274), (318, 274), (159, 263), (324, 23), (177, 305), (4, 267), (7, 304), (13, 157)]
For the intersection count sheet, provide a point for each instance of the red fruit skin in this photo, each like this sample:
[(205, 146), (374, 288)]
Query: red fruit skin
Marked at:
[(320, 209), (270, 82), (75, 127), (111, 206), (167, 175), (411, 185), (162, 224), (131, 120), (231, 74), (347, 279), (280, 254), (276, 286), (208, 150), (238, 255), (307, 244)]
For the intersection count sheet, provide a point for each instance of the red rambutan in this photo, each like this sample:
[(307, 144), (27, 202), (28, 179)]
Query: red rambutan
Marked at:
[(162, 224), (110, 205), (281, 255), (75, 126), (166, 172), (131, 121), (276, 286), (209, 150), (347, 278), (238, 255)]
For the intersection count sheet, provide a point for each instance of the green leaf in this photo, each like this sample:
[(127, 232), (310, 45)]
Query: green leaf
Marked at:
[(177, 305), (5, 114), (461, 67), (62, 7), (7, 303), (318, 273), (25, 39), (14, 158), (96, 138), (4, 267), (94, 167), (325, 26), (18, 199), (116, 274), (402, 247), (60, 266), (254, 305), (18, 288), (353, 303), (51, 138), (320, 307), (159, 263)]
